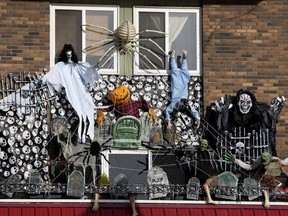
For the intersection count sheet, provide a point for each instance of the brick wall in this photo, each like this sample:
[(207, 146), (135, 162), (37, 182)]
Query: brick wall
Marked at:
[(24, 36), (245, 46)]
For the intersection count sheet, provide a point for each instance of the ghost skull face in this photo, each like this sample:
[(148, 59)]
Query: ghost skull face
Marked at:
[(244, 103), (69, 54)]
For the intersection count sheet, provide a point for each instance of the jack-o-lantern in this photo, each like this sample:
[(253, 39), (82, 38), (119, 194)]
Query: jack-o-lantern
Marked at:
[(120, 95)]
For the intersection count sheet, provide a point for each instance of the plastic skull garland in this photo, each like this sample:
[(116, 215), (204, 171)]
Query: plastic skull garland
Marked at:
[(245, 103)]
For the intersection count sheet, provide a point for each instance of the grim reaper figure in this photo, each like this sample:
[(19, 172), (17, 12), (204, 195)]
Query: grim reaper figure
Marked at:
[(243, 111)]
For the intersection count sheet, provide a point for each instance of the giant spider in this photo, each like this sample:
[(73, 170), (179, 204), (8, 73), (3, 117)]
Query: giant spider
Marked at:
[(95, 149), (125, 41)]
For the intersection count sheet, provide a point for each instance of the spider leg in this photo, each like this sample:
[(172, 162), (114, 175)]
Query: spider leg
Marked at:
[(150, 30), (148, 50), (77, 154), (105, 54), (152, 41), (99, 27), (106, 142), (105, 158), (145, 57), (98, 45)]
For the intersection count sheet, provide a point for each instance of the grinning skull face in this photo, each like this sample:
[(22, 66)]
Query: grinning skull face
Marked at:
[(245, 103), (240, 148)]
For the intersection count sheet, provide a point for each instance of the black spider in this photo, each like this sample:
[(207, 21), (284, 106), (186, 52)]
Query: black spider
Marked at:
[(95, 149)]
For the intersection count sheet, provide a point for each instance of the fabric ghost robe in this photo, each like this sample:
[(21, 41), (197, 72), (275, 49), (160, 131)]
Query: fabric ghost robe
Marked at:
[(74, 78)]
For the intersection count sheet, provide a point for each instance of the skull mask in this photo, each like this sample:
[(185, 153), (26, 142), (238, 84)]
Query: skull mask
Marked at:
[(245, 103)]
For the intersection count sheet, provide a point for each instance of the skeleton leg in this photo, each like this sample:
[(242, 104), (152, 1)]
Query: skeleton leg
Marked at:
[(266, 199), (132, 203), (96, 203), (207, 191)]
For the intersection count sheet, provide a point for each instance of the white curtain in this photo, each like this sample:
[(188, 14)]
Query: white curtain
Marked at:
[(178, 21)]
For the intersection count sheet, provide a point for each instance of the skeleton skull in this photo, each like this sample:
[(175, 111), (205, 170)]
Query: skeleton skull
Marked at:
[(240, 148)]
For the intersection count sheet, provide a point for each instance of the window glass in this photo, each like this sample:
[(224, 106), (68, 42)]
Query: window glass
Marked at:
[(99, 37), (85, 27), (148, 49), (67, 24), (182, 31)]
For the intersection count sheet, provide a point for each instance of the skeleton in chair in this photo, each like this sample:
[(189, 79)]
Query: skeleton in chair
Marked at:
[(272, 167)]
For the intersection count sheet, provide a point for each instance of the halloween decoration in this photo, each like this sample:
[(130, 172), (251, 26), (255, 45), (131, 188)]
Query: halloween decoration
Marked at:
[(157, 176), (243, 114), (125, 41), (272, 167), (179, 87), (74, 76), (123, 106), (78, 154)]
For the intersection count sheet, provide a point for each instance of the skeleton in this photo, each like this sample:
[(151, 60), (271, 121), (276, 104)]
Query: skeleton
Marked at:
[(125, 41)]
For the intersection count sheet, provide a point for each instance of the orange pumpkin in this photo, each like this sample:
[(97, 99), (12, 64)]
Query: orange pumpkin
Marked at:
[(120, 95)]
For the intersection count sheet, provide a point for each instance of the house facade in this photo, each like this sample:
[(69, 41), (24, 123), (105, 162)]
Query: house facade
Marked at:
[(231, 46)]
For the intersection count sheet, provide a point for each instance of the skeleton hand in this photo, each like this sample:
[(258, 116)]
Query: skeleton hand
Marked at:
[(229, 157), (152, 117), (100, 117)]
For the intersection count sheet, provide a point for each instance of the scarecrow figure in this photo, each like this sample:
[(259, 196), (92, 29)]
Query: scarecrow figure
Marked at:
[(122, 105)]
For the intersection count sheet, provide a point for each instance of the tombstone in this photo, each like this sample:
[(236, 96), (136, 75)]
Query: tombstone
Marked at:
[(156, 136), (35, 180), (12, 180), (76, 184), (251, 189), (120, 181), (127, 132), (103, 132), (193, 188), (157, 177), (227, 186)]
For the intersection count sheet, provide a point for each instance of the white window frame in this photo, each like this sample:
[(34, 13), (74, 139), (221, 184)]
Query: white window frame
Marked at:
[(105, 165), (53, 8), (137, 10)]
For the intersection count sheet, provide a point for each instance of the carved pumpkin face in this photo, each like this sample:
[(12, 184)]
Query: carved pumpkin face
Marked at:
[(120, 95)]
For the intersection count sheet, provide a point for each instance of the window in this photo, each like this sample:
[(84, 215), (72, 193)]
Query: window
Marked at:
[(67, 26), (132, 163), (182, 28)]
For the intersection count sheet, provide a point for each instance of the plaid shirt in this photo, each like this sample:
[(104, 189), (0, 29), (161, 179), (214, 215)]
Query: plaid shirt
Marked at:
[(129, 108)]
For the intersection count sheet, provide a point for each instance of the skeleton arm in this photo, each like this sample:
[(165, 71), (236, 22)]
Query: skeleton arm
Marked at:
[(257, 163)]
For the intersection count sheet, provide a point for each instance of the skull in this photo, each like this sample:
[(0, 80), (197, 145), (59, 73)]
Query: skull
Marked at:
[(240, 148), (147, 97), (161, 85), (139, 85), (14, 170), (197, 87), (135, 96), (12, 160), (3, 141), (245, 103), (147, 87), (98, 96)]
